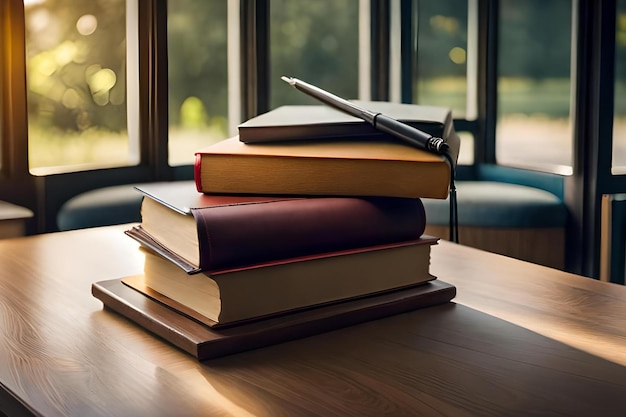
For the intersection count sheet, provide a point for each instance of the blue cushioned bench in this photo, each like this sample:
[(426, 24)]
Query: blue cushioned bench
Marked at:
[(102, 207), (515, 220)]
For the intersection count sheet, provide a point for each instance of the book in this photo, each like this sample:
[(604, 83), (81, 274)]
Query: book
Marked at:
[(340, 167), (250, 293), (295, 122), (209, 232), (163, 317)]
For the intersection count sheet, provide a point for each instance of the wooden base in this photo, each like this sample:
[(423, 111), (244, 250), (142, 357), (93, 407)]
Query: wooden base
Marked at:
[(204, 342)]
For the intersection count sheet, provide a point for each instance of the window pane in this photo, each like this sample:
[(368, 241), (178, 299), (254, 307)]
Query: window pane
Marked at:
[(198, 77), (76, 79), (619, 123), (316, 41), (533, 127), (440, 77)]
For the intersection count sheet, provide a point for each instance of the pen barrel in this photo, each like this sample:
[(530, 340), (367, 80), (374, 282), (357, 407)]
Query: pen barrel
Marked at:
[(404, 132), (332, 100)]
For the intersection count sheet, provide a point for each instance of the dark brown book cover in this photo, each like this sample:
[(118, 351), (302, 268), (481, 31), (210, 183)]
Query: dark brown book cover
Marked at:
[(205, 343), (235, 231), (297, 122)]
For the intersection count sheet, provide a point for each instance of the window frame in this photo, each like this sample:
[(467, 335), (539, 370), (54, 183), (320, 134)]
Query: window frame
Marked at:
[(16, 184), (593, 85)]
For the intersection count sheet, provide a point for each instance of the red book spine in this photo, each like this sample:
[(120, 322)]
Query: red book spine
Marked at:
[(196, 172)]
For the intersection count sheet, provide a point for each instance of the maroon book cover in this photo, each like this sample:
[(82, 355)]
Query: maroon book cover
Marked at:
[(236, 231)]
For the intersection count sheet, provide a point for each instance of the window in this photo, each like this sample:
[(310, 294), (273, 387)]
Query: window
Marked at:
[(316, 41), (619, 122), (442, 75), (441, 54), (197, 75), (533, 127), (76, 60)]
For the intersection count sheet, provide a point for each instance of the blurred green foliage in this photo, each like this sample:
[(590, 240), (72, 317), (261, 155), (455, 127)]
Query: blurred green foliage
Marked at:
[(76, 60), (197, 59), (76, 68), (316, 41)]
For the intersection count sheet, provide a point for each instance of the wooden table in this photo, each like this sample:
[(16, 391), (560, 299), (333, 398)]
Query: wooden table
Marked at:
[(519, 339)]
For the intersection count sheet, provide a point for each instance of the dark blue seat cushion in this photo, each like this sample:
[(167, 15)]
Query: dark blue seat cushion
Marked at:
[(101, 207), (480, 204), (495, 204)]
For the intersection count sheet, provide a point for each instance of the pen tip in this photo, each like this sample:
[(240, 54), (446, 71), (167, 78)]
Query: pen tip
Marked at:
[(288, 80)]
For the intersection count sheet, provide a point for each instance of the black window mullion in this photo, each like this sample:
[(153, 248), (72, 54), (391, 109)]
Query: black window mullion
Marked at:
[(593, 118), (488, 23), (153, 87), (408, 32), (380, 22), (254, 25)]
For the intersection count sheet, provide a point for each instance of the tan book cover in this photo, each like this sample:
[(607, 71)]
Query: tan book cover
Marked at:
[(322, 167), (241, 294)]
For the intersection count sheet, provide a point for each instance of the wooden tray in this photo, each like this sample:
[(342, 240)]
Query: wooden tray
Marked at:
[(205, 342)]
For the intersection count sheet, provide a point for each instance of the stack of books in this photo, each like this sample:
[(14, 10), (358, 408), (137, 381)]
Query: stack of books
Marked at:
[(297, 213)]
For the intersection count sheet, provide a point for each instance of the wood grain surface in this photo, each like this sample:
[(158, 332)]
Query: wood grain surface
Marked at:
[(519, 339)]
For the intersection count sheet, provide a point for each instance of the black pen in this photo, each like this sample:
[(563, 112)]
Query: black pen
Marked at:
[(381, 122)]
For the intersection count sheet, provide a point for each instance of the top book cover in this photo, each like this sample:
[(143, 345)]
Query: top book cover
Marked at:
[(295, 122)]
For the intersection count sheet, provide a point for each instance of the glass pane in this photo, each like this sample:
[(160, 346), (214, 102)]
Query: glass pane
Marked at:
[(316, 41), (619, 123), (198, 77), (533, 127), (76, 80), (440, 77)]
